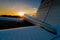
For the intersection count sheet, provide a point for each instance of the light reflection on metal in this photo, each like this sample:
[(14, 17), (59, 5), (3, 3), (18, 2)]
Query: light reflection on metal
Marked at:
[(40, 23)]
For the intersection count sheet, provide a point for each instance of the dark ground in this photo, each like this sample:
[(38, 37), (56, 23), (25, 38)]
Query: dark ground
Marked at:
[(13, 24)]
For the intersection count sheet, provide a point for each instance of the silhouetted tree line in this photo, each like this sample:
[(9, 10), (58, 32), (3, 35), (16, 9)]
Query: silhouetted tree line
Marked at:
[(10, 16)]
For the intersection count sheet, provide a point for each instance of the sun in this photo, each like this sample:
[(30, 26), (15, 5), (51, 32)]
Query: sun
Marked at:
[(21, 13)]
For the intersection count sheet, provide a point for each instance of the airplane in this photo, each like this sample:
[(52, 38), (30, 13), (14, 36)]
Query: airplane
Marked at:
[(46, 24)]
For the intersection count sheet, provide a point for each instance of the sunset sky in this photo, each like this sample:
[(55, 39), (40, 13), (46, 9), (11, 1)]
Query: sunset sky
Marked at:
[(12, 7)]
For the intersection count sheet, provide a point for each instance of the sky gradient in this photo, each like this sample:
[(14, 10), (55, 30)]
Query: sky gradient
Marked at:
[(12, 7)]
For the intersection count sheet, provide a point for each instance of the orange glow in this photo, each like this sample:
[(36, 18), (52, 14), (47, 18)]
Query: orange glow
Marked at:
[(21, 13)]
